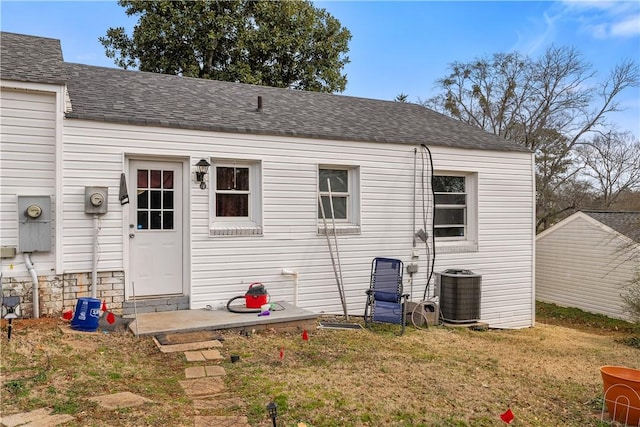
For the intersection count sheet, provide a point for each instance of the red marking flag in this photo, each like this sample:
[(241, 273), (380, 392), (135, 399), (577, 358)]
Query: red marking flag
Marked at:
[(305, 335), (282, 353), (104, 305), (507, 417), (111, 318)]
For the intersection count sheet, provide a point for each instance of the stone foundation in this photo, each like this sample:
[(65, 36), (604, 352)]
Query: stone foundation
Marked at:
[(58, 293)]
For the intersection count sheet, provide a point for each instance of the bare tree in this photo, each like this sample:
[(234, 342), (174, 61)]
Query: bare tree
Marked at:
[(547, 104), (612, 162)]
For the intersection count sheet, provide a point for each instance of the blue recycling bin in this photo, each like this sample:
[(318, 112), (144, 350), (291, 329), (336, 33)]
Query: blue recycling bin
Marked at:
[(87, 315)]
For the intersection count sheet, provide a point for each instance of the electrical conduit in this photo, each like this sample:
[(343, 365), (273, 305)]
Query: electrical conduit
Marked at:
[(34, 280)]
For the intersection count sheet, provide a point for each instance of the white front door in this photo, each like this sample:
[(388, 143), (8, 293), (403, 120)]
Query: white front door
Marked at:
[(155, 228)]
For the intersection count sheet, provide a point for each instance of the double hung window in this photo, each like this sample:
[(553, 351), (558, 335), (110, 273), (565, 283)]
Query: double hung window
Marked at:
[(343, 208), (237, 197)]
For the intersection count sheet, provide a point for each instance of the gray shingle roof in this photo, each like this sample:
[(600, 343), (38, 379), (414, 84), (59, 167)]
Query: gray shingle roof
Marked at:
[(31, 59), (122, 96), (626, 223)]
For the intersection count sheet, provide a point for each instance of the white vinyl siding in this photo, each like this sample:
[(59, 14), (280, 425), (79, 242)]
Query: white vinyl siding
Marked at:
[(220, 269), (581, 263), (27, 166)]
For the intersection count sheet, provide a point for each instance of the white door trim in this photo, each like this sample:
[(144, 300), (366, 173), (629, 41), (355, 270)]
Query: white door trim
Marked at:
[(186, 218)]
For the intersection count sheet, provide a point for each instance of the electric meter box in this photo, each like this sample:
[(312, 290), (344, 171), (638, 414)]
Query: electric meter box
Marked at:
[(95, 200), (34, 223)]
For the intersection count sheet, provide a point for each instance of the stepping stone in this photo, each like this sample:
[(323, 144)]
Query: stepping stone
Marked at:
[(215, 371), (39, 417), (213, 404), (120, 400), (200, 387), (194, 372), (212, 355), (201, 421), (194, 356), (173, 348)]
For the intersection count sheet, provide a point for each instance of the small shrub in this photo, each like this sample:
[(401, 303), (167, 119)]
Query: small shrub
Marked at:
[(631, 297)]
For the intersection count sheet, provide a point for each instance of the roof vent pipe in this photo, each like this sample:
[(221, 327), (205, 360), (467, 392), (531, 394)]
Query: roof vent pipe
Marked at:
[(259, 110)]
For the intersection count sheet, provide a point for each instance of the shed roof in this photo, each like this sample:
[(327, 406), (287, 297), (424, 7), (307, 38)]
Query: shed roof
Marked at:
[(626, 223), (141, 98)]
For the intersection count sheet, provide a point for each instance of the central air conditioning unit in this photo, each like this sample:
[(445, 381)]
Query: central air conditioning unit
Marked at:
[(459, 292)]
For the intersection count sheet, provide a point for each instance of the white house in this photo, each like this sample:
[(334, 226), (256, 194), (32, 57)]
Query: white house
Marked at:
[(586, 260), (69, 131)]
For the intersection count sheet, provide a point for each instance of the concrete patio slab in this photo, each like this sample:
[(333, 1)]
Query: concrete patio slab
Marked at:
[(196, 320), (215, 371), (212, 355)]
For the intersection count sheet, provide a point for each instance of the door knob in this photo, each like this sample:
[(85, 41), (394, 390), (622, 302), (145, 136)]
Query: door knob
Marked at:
[(131, 235)]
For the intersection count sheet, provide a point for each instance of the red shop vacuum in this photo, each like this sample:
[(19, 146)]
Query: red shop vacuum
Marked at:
[(255, 297)]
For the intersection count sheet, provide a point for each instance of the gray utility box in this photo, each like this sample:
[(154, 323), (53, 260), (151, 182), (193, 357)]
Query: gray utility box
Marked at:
[(460, 293), (34, 223)]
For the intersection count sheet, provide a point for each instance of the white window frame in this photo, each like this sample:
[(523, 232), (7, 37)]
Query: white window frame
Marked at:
[(237, 226), (468, 242), (350, 225)]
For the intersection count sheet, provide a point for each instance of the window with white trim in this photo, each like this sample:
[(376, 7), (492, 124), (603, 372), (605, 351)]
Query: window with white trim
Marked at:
[(236, 198), (455, 207), (343, 208)]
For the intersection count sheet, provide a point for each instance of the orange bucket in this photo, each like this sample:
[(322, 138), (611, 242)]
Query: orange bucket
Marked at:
[(622, 393)]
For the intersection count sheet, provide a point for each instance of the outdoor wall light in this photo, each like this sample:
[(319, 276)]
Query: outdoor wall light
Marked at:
[(202, 167), (272, 409)]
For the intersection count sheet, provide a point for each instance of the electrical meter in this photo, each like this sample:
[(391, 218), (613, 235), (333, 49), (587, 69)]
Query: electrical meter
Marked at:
[(34, 211), (95, 200)]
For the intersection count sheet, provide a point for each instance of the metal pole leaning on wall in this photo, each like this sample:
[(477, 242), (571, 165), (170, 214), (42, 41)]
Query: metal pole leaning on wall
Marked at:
[(335, 238), (333, 262)]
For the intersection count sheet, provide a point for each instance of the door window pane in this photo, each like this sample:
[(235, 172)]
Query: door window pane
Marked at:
[(155, 207), (167, 199), (167, 179), (156, 220), (143, 199), (143, 178), (156, 199), (143, 220), (155, 179), (167, 220)]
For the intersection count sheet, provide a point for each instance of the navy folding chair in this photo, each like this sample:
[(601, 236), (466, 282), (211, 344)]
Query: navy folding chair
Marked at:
[(386, 302)]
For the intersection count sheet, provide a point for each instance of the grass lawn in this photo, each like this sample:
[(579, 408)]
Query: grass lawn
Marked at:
[(547, 375)]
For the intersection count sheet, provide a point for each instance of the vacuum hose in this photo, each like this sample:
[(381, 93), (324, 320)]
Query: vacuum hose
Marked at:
[(241, 309)]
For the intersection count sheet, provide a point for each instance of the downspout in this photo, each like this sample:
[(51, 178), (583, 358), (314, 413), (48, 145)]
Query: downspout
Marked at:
[(34, 280), (294, 274)]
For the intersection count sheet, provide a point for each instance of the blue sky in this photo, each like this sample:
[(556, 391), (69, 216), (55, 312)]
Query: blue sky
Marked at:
[(398, 47)]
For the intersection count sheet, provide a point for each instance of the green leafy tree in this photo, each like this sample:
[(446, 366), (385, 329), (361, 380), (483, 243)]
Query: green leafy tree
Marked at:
[(287, 44)]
